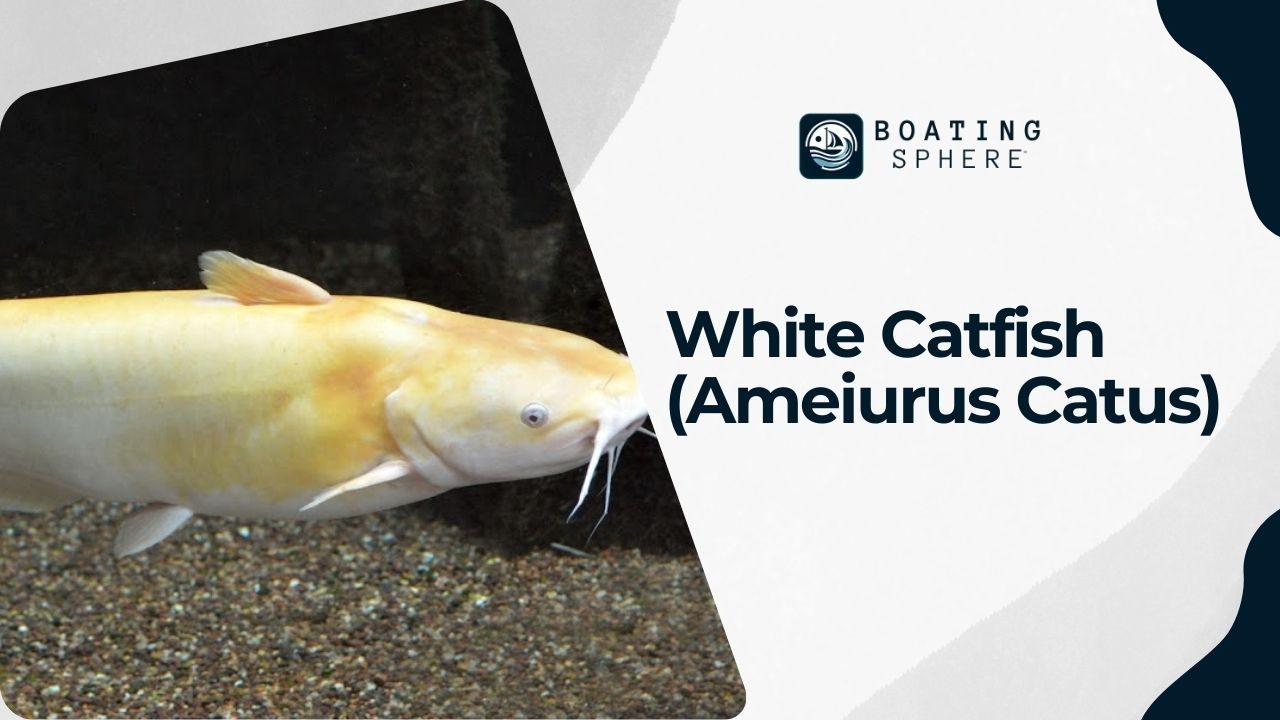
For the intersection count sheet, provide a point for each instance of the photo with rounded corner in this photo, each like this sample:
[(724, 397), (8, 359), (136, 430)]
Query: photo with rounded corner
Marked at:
[(312, 402)]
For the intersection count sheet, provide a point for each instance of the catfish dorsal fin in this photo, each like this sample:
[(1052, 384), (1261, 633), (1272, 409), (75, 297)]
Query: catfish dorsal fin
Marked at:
[(253, 283)]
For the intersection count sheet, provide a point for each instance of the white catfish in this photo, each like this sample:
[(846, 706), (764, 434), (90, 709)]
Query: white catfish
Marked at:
[(266, 397)]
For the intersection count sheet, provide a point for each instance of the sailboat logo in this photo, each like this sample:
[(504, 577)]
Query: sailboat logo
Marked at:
[(831, 146)]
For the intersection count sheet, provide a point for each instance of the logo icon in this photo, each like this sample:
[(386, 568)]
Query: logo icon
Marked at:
[(831, 146)]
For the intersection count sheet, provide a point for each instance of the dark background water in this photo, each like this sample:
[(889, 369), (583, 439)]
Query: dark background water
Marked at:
[(406, 157)]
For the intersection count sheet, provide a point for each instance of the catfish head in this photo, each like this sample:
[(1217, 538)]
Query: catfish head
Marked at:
[(492, 401)]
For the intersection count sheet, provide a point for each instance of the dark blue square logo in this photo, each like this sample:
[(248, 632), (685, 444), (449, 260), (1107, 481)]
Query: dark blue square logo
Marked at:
[(831, 146)]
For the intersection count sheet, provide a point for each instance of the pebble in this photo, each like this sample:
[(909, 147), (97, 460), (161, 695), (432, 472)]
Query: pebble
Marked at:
[(395, 614)]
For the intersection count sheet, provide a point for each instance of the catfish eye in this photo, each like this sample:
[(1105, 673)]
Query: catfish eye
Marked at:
[(534, 415)]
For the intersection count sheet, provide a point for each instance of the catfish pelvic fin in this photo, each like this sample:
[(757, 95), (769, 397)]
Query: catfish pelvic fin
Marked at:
[(384, 473), (149, 526), (253, 283)]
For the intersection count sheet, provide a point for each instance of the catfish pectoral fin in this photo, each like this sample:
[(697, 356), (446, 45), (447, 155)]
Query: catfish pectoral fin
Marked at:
[(386, 472), (149, 526)]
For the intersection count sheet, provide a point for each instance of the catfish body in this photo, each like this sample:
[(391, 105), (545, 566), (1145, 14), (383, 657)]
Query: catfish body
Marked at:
[(184, 398), (271, 399)]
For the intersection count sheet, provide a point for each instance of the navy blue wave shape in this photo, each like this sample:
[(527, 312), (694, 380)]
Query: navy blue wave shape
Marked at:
[(1239, 677), (1238, 40)]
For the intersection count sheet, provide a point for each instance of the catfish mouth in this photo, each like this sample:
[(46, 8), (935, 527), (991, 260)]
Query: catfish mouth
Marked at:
[(585, 439), (588, 439)]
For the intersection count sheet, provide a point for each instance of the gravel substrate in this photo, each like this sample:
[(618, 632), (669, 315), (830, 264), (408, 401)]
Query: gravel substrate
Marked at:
[(398, 614)]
